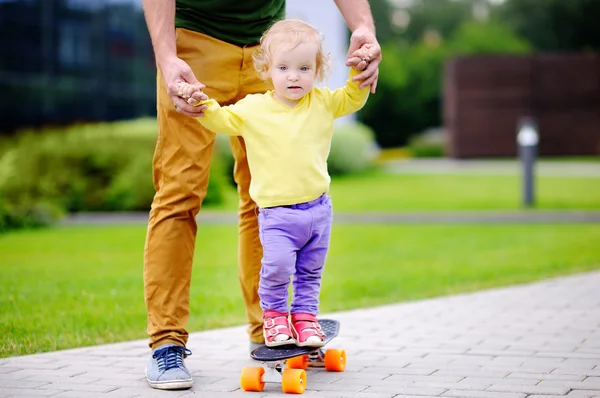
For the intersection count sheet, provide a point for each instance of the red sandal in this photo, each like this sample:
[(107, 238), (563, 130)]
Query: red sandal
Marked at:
[(307, 331), (276, 329)]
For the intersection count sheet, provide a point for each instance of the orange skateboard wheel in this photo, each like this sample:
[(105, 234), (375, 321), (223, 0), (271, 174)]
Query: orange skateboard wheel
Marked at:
[(299, 362), (335, 360), (293, 381), (251, 379)]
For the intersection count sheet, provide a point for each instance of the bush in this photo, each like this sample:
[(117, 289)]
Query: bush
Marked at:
[(28, 214), (107, 167), (353, 149), (429, 144)]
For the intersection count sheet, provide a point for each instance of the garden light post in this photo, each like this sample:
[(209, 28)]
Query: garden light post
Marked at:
[(527, 140)]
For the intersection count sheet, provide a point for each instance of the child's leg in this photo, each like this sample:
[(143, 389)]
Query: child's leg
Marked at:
[(307, 280), (311, 261), (281, 237), (278, 262)]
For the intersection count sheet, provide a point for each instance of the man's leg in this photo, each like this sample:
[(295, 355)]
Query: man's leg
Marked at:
[(181, 169), (249, 248)]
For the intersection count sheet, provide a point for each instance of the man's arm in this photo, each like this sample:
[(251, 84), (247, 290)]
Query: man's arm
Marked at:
[(160, 19), (357, 14), (359, 19)]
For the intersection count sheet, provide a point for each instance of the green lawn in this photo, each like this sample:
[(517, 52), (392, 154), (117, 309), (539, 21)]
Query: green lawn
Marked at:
[(425, 192), (378, 191), (77, 286)]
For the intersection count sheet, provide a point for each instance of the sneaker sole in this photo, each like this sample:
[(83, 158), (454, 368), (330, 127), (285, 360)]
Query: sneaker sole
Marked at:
[(171, 385), (280, 343), (310, 345)]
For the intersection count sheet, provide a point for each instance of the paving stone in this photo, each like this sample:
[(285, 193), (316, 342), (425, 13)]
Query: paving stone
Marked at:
[(493, 380), (407, 390), (6, 391), (28, 384), (574, 385), (465, 372), (77, 387), (570, 371), (481, 394), (346, 394), (61, 379), (544, 376), (572, 394), (452, 386), (430, 378), (558, 390)]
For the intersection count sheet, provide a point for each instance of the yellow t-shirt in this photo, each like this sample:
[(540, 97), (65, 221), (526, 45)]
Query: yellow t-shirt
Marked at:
[(287, 147)]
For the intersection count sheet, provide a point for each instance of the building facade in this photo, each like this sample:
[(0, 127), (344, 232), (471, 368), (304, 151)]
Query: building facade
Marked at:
[(486, 98), (67, 61)]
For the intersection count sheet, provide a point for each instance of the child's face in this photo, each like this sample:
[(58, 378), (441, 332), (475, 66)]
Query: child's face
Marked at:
[(293, 72)]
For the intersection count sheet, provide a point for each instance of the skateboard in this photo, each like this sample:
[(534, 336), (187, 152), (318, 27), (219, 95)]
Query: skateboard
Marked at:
[(295, 359)]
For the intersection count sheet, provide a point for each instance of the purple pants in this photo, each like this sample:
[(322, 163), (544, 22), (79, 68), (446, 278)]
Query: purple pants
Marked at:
[(295, 241)]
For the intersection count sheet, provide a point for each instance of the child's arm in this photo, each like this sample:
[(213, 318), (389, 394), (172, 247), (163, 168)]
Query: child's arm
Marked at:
[(349, 98), (226, 119)]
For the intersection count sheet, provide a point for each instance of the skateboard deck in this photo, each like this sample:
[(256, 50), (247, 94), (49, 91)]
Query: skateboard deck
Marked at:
[(290, 361), (330, 327)]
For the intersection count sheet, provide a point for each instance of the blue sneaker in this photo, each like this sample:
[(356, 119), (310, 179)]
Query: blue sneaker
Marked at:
[(166, 370)]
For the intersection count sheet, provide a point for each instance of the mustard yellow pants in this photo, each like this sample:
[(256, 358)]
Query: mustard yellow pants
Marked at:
[(180, 170)]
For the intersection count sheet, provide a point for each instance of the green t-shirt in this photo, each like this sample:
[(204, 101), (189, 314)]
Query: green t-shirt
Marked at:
[(239, 22)]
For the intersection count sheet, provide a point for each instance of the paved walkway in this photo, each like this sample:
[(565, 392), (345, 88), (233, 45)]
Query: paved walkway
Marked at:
[(540, 340), (547, 168), (462, 217)]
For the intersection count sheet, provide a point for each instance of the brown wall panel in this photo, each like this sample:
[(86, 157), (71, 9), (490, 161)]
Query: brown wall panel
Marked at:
[(484, 98)]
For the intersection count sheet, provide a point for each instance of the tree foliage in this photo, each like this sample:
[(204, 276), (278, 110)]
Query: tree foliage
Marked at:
[(554, 25)]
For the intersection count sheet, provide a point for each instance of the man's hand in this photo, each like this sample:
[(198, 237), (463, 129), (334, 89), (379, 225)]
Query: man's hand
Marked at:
[(364, 54), (175, 72)]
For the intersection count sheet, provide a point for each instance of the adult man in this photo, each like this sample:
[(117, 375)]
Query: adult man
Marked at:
[(214, 41)]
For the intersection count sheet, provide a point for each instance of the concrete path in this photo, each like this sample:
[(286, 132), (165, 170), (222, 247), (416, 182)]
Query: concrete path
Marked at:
[(463, 217), (547, 168), (540, 340)]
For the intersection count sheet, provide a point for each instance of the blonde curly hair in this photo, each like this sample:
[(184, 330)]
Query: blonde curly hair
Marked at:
[(289, 32)]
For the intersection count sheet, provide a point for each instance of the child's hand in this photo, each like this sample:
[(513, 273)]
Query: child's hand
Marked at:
[(359, 59), (192, 93)]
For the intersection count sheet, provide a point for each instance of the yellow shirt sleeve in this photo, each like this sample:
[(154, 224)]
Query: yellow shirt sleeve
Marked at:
[(350, 98), (223, 119)]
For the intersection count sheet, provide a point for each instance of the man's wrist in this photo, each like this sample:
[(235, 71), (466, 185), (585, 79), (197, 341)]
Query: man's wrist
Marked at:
[(367, 26), (165, 61)]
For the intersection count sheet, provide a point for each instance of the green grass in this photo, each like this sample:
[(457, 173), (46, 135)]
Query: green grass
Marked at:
[(78, 286), (451, 192), (379, 191)]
